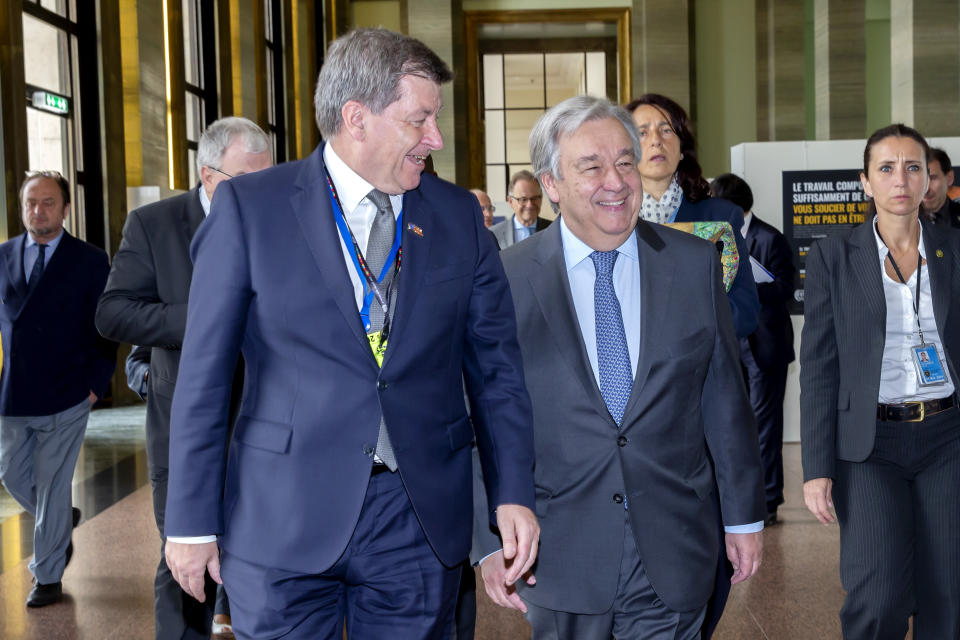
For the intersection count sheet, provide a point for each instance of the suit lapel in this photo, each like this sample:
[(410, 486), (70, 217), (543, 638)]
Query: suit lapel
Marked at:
[(551, 287), (416, 251), (656, 281), (312, 209), (940, 270), (15, 266), (865, 260)]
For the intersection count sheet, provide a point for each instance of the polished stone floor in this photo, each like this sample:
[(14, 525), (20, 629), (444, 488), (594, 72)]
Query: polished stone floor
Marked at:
[(108, 586)]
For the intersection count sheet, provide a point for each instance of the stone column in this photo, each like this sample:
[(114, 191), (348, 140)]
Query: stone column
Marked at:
[(780, 70), (840, 69)]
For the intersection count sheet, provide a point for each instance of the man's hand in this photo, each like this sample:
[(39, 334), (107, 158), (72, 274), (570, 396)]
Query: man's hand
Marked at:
[(493, 570), (189, 563), (744, 551), (817, 494), (93, 398), (520, 534)]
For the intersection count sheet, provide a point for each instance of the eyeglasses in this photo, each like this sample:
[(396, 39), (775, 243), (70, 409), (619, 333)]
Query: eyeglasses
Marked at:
[(523, 201), (219, 171), (489, 208)]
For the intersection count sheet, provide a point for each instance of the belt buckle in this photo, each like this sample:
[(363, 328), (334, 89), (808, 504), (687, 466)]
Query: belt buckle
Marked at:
[(923, 412)]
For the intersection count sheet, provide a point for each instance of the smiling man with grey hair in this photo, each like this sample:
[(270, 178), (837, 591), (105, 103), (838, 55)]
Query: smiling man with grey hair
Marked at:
[(358, 290), (643, 413), (145, 303)]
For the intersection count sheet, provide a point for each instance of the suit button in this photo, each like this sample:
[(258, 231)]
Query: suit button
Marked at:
[(381, 384), (618, 498), (622, 441)]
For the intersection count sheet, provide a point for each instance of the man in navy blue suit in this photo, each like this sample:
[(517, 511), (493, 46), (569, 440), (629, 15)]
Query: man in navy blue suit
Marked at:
[(357, 291), (56, 366)]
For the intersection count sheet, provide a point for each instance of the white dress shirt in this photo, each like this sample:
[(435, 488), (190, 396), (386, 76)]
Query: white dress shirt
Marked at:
[(898, 376)]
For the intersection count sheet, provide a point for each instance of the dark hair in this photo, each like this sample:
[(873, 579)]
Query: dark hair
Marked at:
[(893, 131), (52, 175), (938, 154), (733, 188), (689, 174)]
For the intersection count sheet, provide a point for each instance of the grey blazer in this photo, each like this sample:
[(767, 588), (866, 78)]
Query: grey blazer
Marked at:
[(503, 231), (687, 429), (841, 350)]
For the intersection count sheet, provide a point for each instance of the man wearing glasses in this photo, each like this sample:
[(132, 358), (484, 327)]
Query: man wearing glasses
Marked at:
[(525, 198), (145, 303)]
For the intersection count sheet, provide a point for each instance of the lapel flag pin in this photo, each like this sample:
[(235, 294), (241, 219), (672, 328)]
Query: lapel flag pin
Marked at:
[(939, 253), (417, 230)]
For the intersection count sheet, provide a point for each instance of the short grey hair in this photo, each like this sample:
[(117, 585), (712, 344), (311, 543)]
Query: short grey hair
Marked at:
[(367, 65), (523, 174), (221, 133), (564, 119)]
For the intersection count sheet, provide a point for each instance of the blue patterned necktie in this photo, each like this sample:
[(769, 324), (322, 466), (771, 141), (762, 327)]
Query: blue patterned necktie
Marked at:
[(613, 358)]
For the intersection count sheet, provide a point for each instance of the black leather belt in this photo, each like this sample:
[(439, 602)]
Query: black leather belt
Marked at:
[(913, 411)]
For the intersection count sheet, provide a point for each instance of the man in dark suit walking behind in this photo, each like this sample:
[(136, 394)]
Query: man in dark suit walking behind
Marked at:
[(55, 367), (643, 415), (145, 303), (767, 352)]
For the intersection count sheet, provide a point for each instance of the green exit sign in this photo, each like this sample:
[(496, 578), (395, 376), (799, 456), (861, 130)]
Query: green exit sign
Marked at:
[(52, 102)]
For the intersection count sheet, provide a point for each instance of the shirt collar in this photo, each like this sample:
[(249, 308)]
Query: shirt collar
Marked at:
[(50, 245), (747, 219), (351, 188), (576, 250), (882, 248), (519, 225), (204, 200)]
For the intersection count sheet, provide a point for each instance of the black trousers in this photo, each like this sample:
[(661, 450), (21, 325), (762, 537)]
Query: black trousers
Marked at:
[(899, 514), (767, 388)]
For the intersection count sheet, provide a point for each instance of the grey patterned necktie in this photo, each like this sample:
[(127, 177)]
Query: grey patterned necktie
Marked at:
[(613, 357), (37, 270), (378, 248)]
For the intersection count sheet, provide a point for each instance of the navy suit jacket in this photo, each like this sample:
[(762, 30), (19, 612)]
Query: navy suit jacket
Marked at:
[(53, 355), (744, 303), (270, 279), (772, 343)]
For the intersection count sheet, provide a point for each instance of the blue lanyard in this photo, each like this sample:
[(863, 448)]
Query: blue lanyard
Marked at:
[(370, 288)]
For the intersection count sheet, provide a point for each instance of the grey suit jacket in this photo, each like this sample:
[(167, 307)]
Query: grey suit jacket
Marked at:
[(145, 300), (841, 351), (503, 231), (687, 429)]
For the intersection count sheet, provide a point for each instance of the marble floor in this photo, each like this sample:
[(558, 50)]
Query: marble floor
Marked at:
[(108, 586)]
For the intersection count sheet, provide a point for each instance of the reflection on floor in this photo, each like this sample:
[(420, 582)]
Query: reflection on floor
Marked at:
[(111, 465), (796, 595)]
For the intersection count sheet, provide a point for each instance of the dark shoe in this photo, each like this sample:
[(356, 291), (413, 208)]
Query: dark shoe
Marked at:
[(771, 519), (43, 594), (76, 521)]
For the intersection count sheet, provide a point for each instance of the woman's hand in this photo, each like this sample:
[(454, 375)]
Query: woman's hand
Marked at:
[(817, 496)]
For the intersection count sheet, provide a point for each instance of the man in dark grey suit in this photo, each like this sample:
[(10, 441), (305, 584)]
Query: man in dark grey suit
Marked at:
[(145, 303), (525, 196), (639, 407)]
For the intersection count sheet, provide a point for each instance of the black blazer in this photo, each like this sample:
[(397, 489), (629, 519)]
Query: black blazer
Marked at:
[(53, 355), (772, 343), (841, 350), (145, 300)]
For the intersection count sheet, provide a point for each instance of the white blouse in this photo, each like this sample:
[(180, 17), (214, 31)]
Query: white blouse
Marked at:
[(898, 376)]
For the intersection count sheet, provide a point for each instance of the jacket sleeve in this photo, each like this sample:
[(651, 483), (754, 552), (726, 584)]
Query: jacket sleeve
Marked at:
[(779, 262), (130, 309), (103, 352), (819, 371)]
